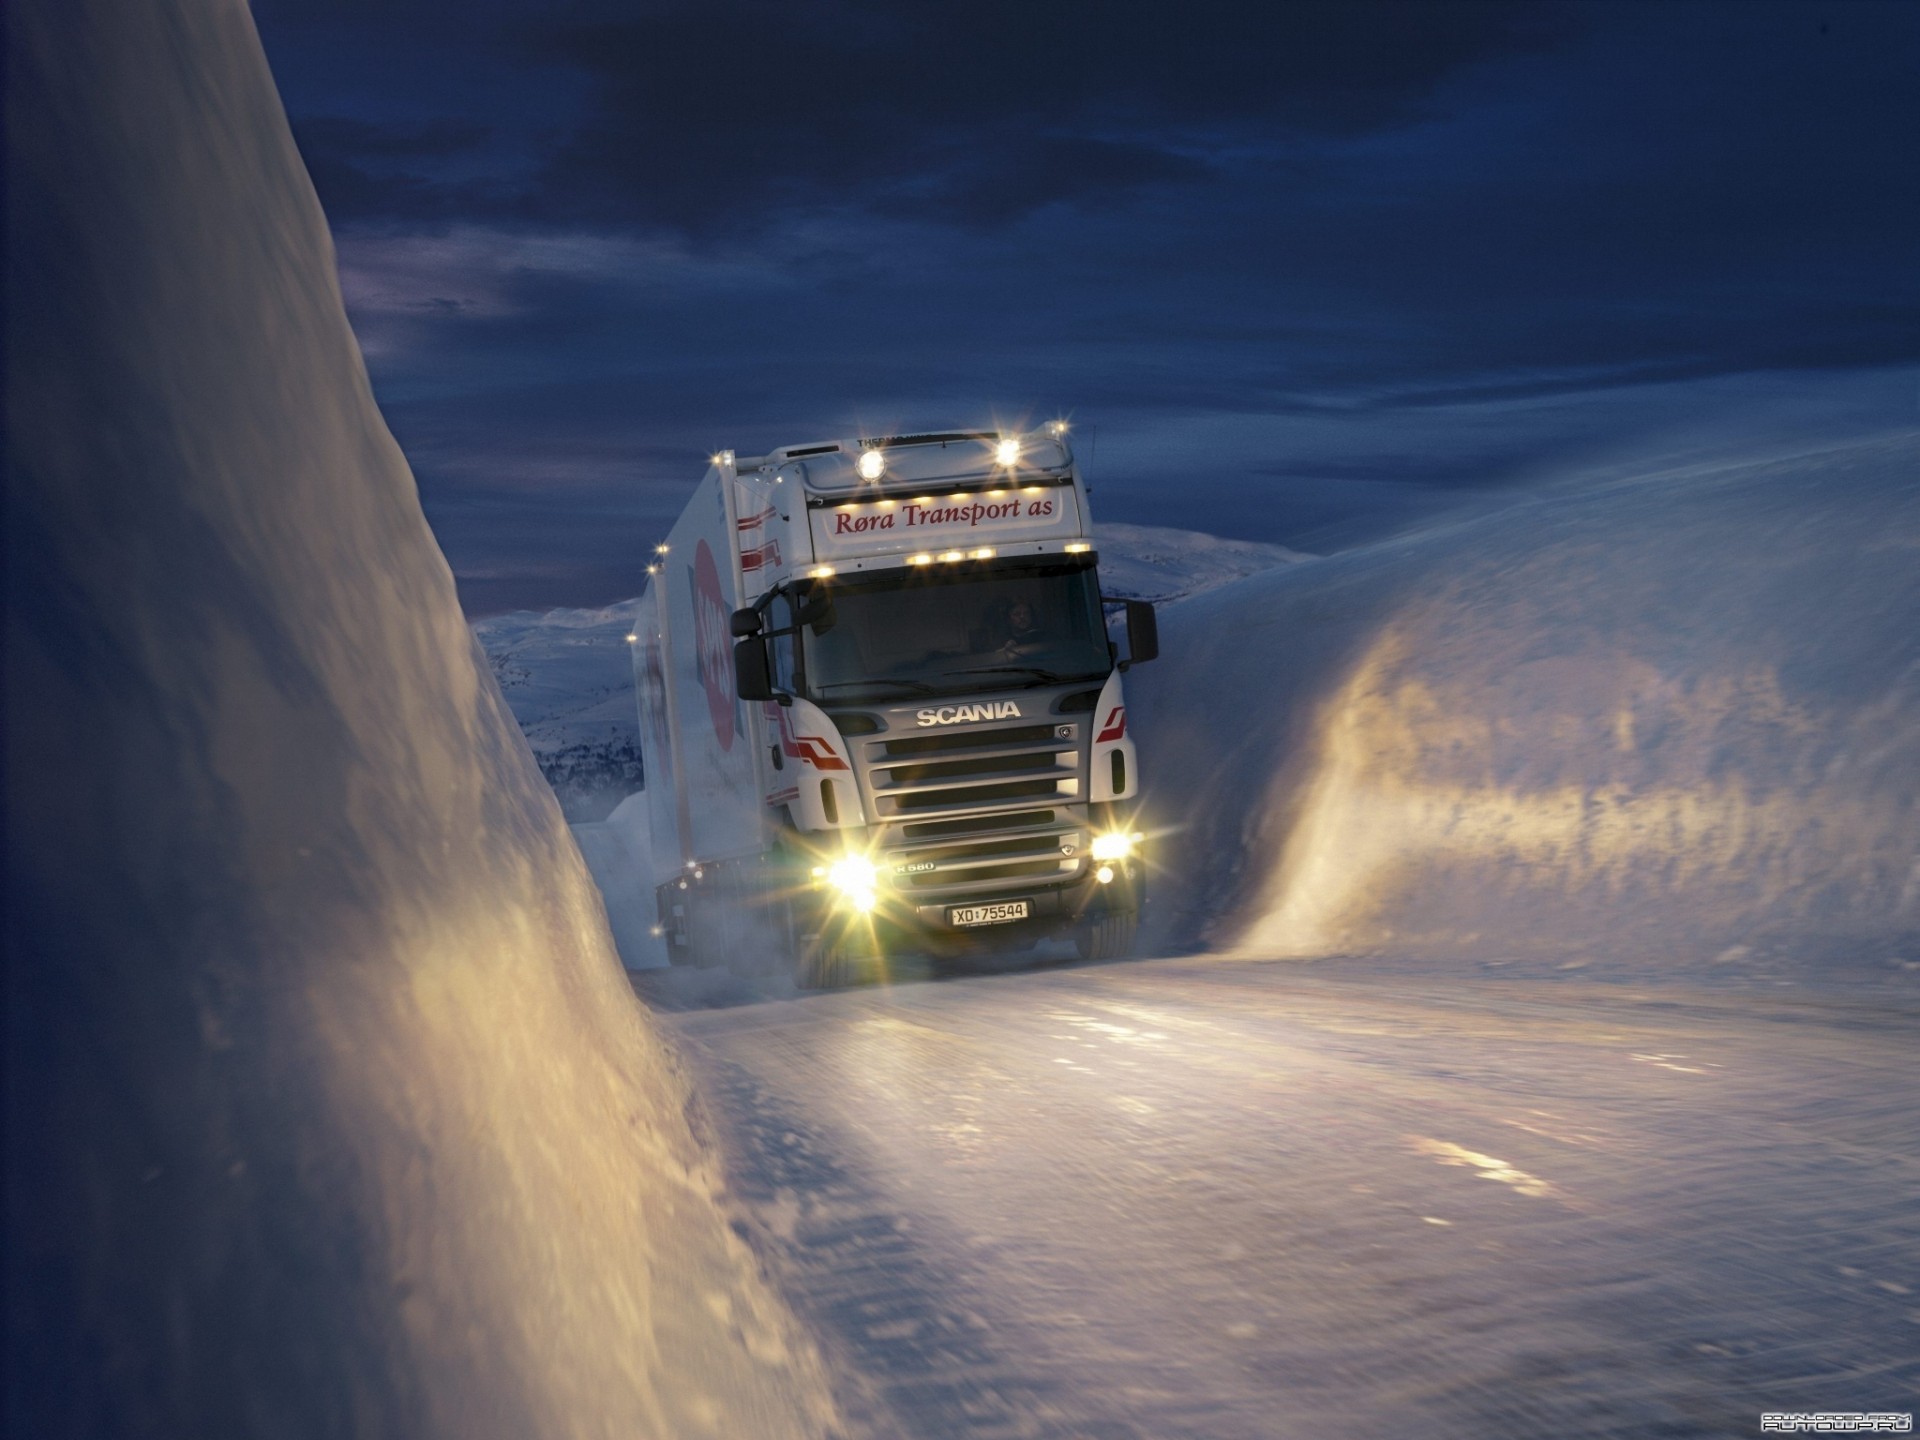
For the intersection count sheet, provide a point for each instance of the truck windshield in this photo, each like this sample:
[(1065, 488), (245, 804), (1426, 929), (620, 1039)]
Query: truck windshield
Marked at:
[(946, 631)]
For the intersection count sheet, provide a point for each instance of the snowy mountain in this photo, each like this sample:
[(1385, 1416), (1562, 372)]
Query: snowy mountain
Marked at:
[(566, 676), (565, 672), (1149, 562)]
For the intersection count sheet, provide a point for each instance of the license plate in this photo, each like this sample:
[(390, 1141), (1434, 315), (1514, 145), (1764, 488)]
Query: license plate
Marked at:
[(995, 914)]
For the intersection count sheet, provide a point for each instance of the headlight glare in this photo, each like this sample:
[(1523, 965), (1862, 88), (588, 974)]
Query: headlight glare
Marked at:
[(1116, 846), (855, 878)]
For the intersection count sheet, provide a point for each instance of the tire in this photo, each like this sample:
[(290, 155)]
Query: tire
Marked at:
[(833, 961), (1107, 937)]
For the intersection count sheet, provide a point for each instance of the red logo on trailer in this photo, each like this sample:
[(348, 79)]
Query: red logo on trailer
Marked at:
[(713, 652)]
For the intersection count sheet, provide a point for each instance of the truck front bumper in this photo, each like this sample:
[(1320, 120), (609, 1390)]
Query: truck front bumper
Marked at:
[(1050, 910)]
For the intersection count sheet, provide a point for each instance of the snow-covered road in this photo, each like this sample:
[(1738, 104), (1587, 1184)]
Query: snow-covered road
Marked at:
[(1206, 1198)]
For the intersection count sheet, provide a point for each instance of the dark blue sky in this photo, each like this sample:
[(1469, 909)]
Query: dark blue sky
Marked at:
[(1305, 272)]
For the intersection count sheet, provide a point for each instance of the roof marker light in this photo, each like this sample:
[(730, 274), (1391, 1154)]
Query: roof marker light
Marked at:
[(951, 555), (919, 559), (821, 572), (1078, 547), (872, 465), (984, 553), (1007, 453)]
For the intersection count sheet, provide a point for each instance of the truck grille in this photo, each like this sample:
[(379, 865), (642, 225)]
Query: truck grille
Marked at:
[(970, 810)]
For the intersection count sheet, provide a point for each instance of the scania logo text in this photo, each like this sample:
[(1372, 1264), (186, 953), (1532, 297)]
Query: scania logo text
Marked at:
[(962, 714)]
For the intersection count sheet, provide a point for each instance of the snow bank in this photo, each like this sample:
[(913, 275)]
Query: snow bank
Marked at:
[(1669, 722), (328, 1109), (619, 854)]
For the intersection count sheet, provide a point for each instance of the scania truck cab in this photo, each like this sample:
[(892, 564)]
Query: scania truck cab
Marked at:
[(922, 704)]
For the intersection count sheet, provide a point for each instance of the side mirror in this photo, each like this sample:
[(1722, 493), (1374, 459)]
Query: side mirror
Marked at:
[(752, 676), (1143, 632), (744, 623)]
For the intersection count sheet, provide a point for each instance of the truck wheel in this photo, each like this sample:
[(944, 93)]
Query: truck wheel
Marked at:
[(1107, 937), (829, 962)]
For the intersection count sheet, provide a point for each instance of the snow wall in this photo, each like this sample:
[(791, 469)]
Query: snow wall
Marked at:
[(328, 1110), (1667, 724)]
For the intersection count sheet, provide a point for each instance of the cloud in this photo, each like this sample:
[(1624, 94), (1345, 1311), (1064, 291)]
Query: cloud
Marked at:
[(708, 117), (1363, 253)]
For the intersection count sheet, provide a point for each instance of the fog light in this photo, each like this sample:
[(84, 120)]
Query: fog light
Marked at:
[(1104, 874)]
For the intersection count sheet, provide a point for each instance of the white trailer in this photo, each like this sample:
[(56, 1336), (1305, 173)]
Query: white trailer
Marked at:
[(880, 708)]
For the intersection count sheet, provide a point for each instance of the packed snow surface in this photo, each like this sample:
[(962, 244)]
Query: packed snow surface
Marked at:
[(328, 1110), (1176, 1199), (1661, 724)]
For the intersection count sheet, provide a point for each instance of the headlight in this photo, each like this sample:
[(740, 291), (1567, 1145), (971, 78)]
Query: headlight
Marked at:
[(1116, 846), (855, 878)]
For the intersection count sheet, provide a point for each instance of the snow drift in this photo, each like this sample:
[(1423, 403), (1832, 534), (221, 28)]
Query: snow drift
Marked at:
[(328, 1109), (1668, 721)]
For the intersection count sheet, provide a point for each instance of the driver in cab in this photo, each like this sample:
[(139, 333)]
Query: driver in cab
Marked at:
[(1020, 629)]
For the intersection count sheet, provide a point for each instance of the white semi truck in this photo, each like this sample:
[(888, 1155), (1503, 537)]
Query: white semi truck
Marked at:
[(880, 709)]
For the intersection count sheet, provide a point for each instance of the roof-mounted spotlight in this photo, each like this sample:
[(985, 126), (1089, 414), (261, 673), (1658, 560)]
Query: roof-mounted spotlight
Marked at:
[(873, 464), (1007, 453)]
